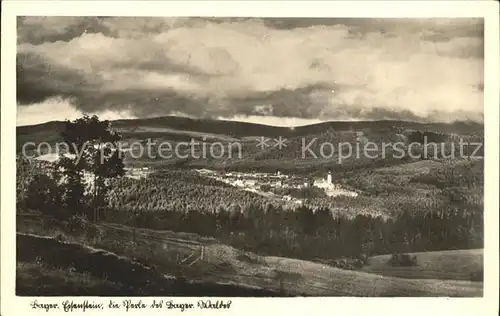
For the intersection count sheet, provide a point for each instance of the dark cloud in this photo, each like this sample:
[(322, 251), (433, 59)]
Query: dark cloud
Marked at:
[(299, 102), (442, 29), (284, 67), (38, 30), (143, 104), (38, 80)]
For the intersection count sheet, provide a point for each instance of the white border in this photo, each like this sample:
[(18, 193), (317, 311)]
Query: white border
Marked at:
[(488, 305)]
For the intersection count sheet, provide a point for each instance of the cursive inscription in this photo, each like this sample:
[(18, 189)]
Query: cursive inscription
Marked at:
[(70, 306), (181, 306), (129, 305), (35, 305), (214, 305)]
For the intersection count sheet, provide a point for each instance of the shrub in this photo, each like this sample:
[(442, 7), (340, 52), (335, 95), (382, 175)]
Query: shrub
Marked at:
[(94, 233), (43, 194), (250, 258), (477, 276), (265, 187), (402, 260), (78, 224), (363, 258)]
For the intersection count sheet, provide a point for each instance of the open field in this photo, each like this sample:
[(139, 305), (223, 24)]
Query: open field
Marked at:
[(338, 282), (444, 265), (227, 265)]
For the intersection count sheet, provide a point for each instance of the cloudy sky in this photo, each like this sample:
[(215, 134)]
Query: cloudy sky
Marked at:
[(274, 71)]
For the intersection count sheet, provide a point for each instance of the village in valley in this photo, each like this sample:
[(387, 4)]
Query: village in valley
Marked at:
[(272, 185)]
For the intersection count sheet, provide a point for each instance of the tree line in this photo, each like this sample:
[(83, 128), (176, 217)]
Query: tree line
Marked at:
[(304, 233)]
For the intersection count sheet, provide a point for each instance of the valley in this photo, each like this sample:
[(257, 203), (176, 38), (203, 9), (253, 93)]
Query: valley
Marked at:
[(272, 220)]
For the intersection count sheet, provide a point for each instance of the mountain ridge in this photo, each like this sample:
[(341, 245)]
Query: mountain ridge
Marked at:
[(256, 129)]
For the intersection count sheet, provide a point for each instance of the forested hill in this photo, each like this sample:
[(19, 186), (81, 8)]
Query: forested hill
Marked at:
[(49, 132)]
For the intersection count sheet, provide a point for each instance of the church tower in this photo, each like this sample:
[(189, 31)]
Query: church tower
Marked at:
[(329, 178)]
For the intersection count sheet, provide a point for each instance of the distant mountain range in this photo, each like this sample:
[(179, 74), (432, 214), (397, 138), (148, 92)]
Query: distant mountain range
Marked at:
[(173, 129), (243, 129)]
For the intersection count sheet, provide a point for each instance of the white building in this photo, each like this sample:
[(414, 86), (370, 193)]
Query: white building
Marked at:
[(329, 178)]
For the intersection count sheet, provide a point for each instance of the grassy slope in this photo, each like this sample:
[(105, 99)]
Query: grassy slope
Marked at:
[(315, 279), (37, 279), (332, 281), (446, 265), (222, 263), (70, 268)]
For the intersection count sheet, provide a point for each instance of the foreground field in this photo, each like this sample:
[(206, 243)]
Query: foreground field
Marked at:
[(46, 266), (38, 279), (445, 265), (337, 282), (222, 265)]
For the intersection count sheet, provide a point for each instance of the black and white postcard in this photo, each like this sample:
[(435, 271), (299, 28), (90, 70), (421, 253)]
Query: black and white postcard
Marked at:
[(217, 156)]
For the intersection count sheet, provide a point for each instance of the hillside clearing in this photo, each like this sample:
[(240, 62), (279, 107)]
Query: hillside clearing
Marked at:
[(445, 265)]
